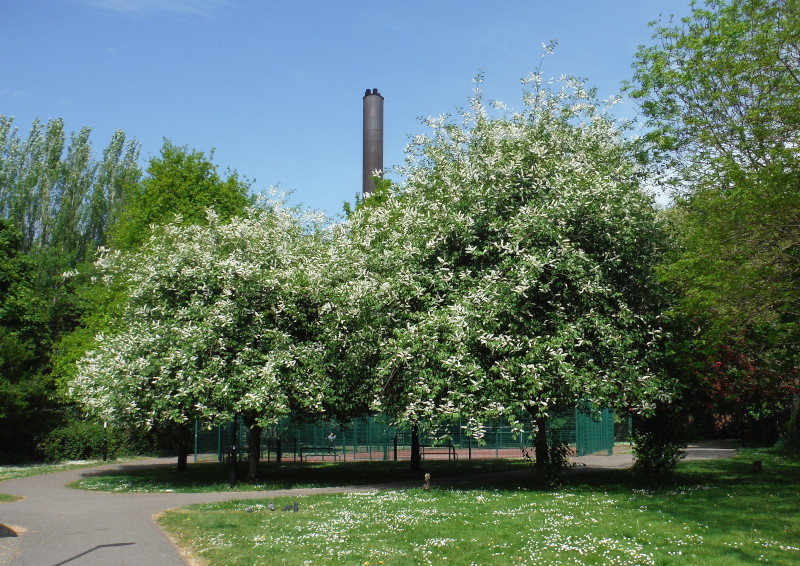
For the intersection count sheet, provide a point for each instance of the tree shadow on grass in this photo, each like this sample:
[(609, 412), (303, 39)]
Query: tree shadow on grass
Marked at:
[(736, 513), (213, 476)]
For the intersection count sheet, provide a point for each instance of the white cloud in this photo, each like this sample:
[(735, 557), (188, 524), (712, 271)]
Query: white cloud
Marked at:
[(202, 8)]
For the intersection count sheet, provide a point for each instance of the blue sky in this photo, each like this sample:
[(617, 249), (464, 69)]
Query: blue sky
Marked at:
[(276, 87)]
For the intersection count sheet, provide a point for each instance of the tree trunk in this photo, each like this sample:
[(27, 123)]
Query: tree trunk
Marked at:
[(184, 441), (254, 453), (416, 457), (540, 445)]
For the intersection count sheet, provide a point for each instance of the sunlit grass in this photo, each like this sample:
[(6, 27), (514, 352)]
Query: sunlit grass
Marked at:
[(12, 472), (715, 513), (213, 476)]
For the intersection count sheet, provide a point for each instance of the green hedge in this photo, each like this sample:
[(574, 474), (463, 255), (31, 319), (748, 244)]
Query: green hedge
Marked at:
[(81, 440)]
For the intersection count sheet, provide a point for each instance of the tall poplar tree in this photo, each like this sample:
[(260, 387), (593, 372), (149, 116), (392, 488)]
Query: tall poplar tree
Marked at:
[(62, 197), (61, 200)]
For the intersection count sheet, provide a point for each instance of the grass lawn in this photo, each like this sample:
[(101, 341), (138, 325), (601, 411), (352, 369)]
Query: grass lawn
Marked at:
[(714, 513), (213, 476), (12, 472)]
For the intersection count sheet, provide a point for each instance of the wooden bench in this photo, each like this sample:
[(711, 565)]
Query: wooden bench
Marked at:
[(447, 449), (306, 451)]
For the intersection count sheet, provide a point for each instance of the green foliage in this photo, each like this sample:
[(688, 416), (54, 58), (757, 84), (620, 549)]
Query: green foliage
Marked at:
[(720, 89), (383, 191), (75, 441), (85, 440), (183, 184), (101, 308), (791, 439), (219, 319), (59, 196), (720, 94), (656, 455), (24, 391), (512, 272), (56, 203)]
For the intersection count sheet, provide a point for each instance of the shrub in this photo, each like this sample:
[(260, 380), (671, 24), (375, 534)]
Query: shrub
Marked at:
[(81, 440), (656, 456), (790, 442)]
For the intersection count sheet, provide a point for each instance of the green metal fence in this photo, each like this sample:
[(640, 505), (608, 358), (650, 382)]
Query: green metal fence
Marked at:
[(593, 432), (375, 438)]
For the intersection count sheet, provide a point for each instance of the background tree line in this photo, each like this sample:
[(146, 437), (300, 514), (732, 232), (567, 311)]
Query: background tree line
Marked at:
[(721, 99), (59, 203)]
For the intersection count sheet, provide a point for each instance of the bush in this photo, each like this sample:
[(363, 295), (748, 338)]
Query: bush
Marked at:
[(790, 442), (81, 440), (75, 441), (656, 456)]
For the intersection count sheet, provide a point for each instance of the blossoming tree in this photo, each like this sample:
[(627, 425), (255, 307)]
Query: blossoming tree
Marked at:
[(514, 267), (219, 322)]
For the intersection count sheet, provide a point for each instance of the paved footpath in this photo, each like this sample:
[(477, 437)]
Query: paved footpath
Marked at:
[(59, 526)]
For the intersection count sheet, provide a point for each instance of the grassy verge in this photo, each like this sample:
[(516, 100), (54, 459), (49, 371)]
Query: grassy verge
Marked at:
[(715, 513), (12, 472), (213, 476), (6, 498)]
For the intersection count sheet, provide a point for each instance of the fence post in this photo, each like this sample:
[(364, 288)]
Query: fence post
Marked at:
[(234, 447)]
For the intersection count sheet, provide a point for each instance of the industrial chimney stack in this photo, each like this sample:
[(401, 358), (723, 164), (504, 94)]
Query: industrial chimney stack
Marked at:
[(373, 139)]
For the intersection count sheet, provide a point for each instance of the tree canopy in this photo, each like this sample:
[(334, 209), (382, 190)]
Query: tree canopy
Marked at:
[(57, 201), (23, 345), (58, 194), (721, 94), (513, 272), (219, 321), (182, 183)]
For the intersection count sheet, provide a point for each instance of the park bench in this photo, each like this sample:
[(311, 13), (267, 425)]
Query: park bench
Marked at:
[(306, 451), (446, 449)]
